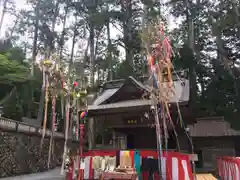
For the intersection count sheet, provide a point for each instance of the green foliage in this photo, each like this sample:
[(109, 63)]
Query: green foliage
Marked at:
[(14, 73), (11, 71), (17, 54), (124, 70), (12, 108), (218, 83)]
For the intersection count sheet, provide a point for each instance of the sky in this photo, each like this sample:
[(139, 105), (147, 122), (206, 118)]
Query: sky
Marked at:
[(8, 19), (21, 4)]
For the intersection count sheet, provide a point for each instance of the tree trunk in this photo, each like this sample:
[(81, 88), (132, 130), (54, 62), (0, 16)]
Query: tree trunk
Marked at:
[(61, 43), (56, 12), (35, 38), (3, 14), (190, 26), (197, 45), (86, 52), (70, 68), (192, 70), (34, 54), (236, 9), (92, 55), (91, 134), (191, 45), (83, 82), (127, 30), (13, 29), (110, 67)]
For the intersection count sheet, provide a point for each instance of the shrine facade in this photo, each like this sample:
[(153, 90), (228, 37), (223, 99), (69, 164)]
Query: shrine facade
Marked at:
[(123, 109)]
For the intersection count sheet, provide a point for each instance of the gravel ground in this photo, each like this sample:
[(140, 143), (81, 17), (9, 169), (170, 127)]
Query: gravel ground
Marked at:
[(54, 174)]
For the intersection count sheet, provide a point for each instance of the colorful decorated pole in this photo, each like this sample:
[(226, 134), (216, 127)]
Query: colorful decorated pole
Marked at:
[(47, 67), (45, 111), (53, 128), (159, 53), (159, 138), (77, 122), (66, 132), (83, 115), (77, 132)]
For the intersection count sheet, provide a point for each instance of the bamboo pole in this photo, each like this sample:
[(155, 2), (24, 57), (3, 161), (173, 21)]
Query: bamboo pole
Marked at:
[(50, 151), (80, 176), (77, 132), (45, 111), (159, 137), (66, 131)]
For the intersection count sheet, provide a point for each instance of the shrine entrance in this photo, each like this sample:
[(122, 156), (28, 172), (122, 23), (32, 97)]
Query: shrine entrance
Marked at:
[(131, 141), (139, 137), (144, 138)]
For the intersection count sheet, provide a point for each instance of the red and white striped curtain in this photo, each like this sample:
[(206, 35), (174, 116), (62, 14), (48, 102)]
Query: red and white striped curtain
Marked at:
[(229, 168), (175, 166)]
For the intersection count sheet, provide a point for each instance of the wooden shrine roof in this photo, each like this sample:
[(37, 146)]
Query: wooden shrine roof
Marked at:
[(104, 96), (132, 93)]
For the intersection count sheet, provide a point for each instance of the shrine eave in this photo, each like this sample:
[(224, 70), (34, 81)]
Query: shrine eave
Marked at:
[(130, 103), (124, 107), (119, 107)]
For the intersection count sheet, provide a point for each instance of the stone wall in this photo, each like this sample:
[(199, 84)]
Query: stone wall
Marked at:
[(20, 151)]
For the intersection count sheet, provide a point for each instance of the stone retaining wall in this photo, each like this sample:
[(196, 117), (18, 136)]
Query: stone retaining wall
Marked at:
[(20, 151)]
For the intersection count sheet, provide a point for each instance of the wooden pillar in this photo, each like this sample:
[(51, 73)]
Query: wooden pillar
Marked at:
[(91, 125), (91, 133), (114, 139)]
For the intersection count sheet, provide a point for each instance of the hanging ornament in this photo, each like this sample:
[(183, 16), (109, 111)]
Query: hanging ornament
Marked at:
[(150, 61), (83, 114), (75, 84), (83, 92), (47, 62)]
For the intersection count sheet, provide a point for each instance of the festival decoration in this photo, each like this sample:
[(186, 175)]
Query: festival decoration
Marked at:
[(51, 150), (80, 174), (159, 54), (46, 66), (83, 114), (73, 99), (51, 76), (67, 108), (75, 84)]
